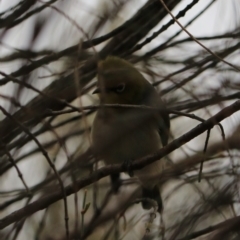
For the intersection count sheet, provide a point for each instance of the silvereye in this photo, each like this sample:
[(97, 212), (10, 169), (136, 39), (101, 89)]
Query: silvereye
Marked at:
[(122, 135)]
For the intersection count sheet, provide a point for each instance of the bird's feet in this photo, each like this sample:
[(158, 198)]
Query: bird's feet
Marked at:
[(116, 182), (127, 166)]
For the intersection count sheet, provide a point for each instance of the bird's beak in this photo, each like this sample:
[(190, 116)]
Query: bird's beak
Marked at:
[(97, 90)]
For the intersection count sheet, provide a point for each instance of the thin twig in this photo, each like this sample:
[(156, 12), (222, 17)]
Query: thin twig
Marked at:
[(198, 42), (138, 164)]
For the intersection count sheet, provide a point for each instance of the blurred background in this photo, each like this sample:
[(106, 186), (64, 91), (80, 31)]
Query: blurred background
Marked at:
[(48, 57)]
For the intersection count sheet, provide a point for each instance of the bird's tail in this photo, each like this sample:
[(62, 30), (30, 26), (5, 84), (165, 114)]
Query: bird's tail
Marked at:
[(153, 194)]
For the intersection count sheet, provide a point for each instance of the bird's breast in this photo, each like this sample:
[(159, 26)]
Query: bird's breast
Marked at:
[(128, 135)]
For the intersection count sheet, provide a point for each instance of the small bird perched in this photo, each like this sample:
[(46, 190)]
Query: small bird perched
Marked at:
[(121, 135)]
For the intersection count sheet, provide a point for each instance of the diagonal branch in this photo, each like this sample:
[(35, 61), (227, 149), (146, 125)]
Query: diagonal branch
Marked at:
[(64, 88), (177, 169)]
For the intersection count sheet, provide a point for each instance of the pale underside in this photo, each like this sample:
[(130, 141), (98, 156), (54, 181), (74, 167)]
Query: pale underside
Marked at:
[(129, 136)]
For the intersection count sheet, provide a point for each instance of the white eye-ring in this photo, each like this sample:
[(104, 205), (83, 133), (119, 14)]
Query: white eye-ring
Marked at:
[(120, 88)]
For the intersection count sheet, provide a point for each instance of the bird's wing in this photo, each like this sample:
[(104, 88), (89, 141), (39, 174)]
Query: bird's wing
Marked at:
[(162, 117), (163, 126)]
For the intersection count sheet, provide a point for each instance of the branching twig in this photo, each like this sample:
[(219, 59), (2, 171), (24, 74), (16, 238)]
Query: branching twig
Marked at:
[(138, 164)]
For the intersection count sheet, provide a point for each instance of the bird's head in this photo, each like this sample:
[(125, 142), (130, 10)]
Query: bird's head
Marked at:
[(119, 82)]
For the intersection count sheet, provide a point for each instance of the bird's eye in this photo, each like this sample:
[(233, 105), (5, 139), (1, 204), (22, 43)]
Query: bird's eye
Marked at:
[(120, 88)]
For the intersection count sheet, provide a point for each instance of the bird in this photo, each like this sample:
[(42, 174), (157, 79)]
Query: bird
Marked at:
[(122, 135)]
